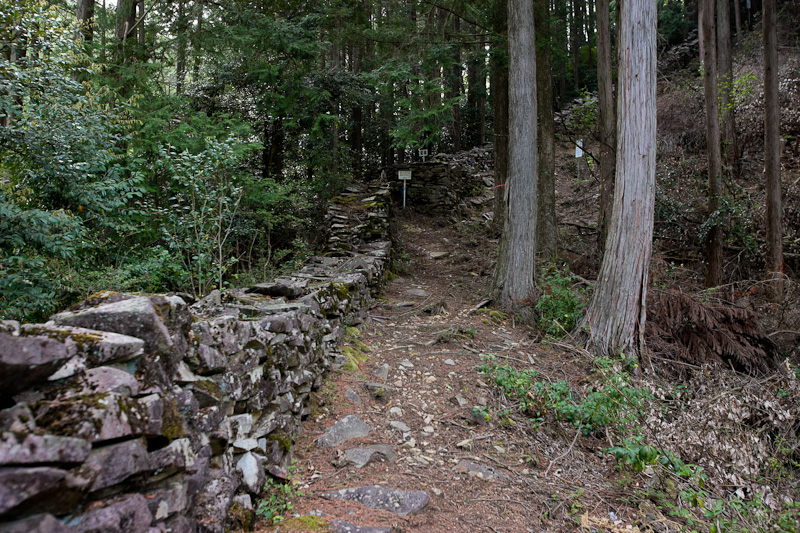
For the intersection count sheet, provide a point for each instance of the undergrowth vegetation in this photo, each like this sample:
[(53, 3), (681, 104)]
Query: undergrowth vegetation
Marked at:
[(562, 302), (658, 437), (277, 500)]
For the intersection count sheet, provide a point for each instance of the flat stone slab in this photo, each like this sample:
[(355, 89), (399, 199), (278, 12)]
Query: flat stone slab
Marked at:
[(18, 485), (418, 293), (361, 457), (349, 427), (136, 317), (129, 514), (99, 347), (340, 526), (26, 361), (402, 502), (399, 426), (438, 255), (43, 449), (479, 471), (379, 389)]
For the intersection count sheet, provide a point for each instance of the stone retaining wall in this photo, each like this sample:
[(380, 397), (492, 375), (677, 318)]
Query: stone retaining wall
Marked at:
[(439, 186), (142, 413)]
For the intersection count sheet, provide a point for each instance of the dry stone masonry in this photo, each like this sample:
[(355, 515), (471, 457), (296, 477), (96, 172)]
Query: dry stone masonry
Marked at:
[(143, 413), (439, 186)]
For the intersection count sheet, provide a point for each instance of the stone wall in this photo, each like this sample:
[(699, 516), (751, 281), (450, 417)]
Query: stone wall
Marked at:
[(144, 413), (439, 186)]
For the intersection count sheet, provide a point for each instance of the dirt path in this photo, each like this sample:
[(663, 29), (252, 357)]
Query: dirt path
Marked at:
[(420, 391)]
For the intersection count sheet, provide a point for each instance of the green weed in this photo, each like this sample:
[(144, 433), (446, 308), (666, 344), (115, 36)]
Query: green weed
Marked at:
[(561, 305), (278, 498), (614, 402)]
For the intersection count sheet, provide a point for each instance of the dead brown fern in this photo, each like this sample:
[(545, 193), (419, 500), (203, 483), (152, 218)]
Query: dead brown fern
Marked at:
[(682, 328)]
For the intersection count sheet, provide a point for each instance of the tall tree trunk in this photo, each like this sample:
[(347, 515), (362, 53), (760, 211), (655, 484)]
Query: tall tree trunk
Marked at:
[(714, 238), (472, 102), (561, 45), (577, 41), (140, 20), (480, 104), (125, 19), (546, 225), (737, 12), (272, 156), (455, 84), (615, 318), (605, 89), (84, 13), (356, 124), (180, 52), (196, 49), (500, 110), (772, 155), (514, 284), (17, 50), (730, 149)]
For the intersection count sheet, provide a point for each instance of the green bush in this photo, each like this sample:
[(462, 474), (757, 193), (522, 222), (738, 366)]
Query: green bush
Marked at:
[(561, 304)]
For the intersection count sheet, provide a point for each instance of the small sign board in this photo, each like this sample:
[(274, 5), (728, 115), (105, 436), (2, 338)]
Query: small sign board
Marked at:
[(423, 152), (404, 174), (579, 148)]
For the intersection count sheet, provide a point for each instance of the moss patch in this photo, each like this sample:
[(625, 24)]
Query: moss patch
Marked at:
[(284, 440), (306, 523), (172, 425)]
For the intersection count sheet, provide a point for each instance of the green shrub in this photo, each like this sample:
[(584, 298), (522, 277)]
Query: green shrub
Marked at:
[(561, 305)]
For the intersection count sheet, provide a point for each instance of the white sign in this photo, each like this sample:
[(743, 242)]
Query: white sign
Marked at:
[(423, 152), (404, 174), (579, 148)]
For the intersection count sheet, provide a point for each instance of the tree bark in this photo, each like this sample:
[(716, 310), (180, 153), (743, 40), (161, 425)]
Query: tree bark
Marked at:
[(615, 318), (563, 49), (471, 137), (547, 228), (577, 42), (605, 89), (455, 84), (772, 155), (514, 284), (196, 51), (500, 109), (180, 52), (737, 11), (730, 149), (356, 147), (714, 156), (84, 13), (140, 20), (125, 19)]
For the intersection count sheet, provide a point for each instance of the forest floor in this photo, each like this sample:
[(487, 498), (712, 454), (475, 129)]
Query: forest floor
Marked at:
[(434, 418), (424, 343), (424, 330)]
